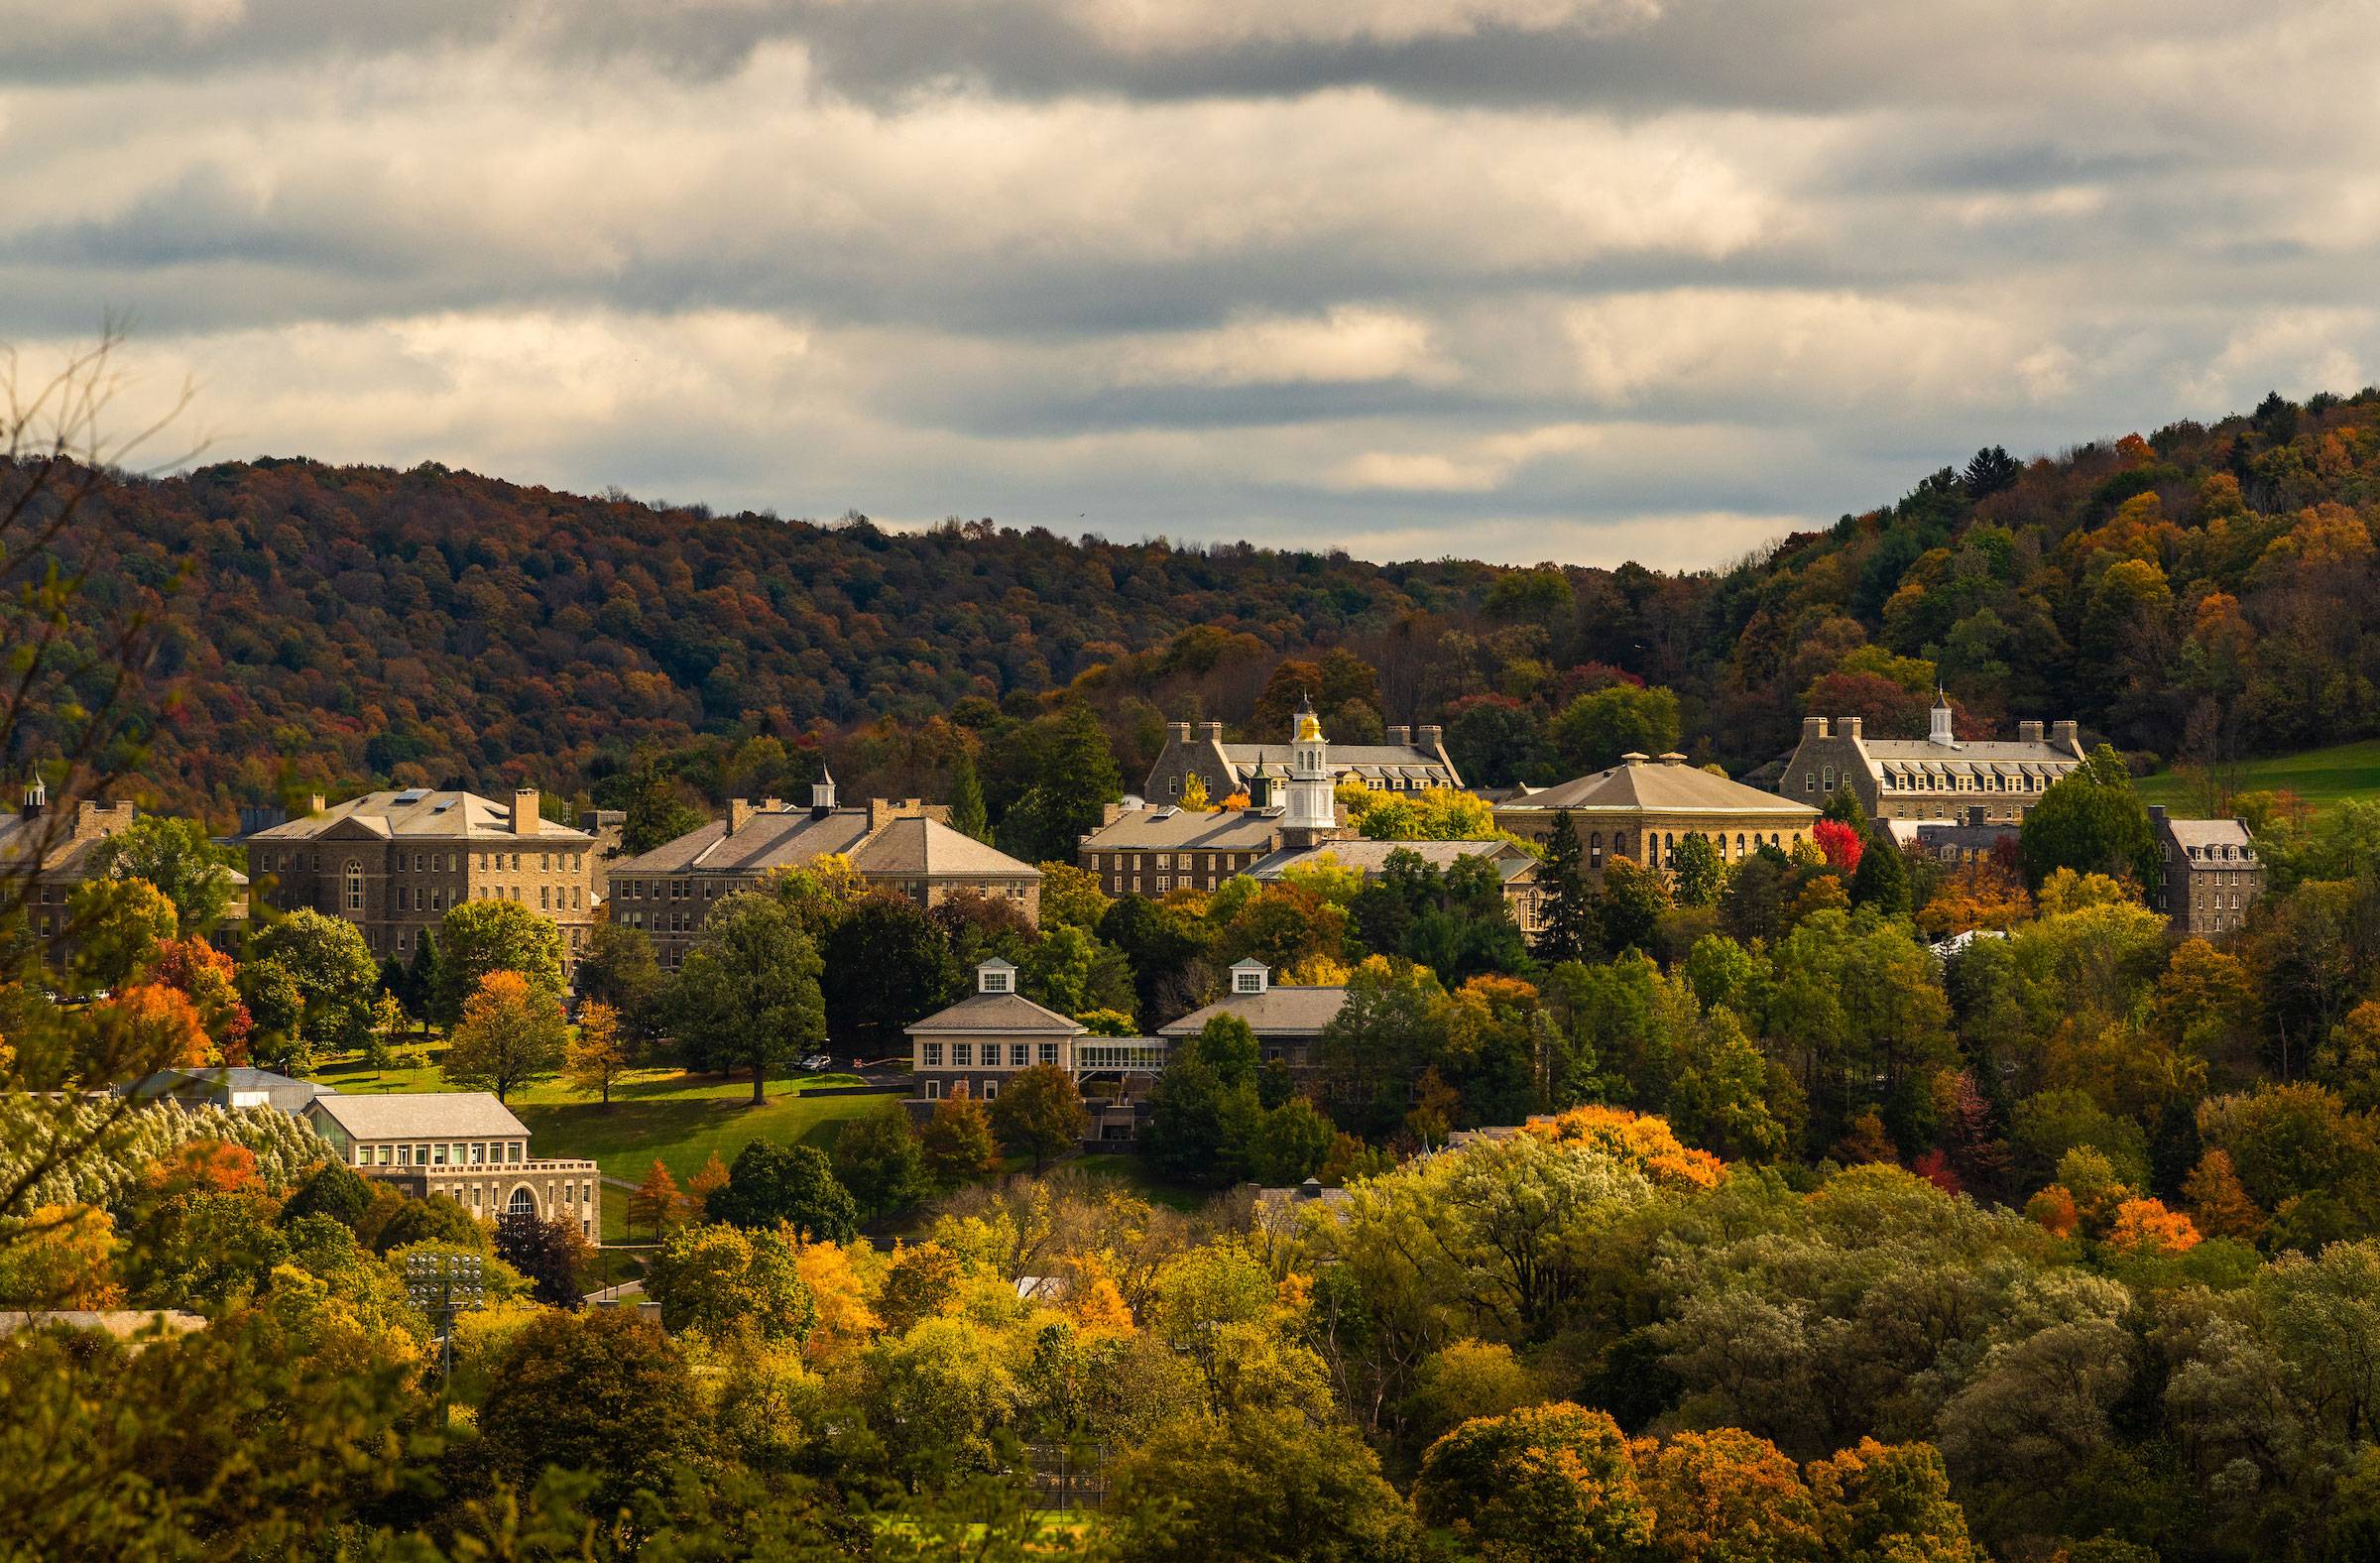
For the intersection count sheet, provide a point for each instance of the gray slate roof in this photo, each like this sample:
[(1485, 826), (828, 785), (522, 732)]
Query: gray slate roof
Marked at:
[(1904, 748), (1172, 829), (1277, 1012), (424, 1115), (1660, 785), (2204, 833), (1371, 857), (426, 814), (790, 837), (1003, 1013)]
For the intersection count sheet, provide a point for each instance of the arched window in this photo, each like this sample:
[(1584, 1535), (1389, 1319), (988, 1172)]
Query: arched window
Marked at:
[(355, 886), (1740, 843), (1595, 850), (522, 1203)]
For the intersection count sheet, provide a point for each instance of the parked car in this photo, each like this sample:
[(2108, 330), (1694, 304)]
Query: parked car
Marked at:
[(818, 1061)]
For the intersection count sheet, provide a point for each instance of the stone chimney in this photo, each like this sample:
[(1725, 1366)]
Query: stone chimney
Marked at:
[(1428, 736), (1851, 725), (1109, 813), (739, 813), (882, 811), (1401, 737), (1181, 732), (94, 820), (525, 818), (313, 803), (1212, 732), (2065, 735), (1813, 727), (2156, 815), (2028, 732)]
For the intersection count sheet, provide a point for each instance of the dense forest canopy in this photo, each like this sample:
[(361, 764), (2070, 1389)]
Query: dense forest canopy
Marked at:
[(2197, 594)]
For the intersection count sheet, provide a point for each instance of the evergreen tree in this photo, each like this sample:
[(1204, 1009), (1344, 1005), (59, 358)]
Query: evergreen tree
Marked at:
[(422, 976), (1992, 470), (1844, 807), (1882, 879), (657, 815), (1631, 906), (967, 816), (1567, 927)]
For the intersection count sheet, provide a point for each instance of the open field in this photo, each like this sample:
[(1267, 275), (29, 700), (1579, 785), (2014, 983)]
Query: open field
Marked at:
[(2322, 777)]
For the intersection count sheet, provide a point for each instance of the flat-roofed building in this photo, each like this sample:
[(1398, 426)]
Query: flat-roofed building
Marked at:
[(394, 863), (906, 847), (2213, 873), (464, 1145), (1641, 809), (1941, 776)]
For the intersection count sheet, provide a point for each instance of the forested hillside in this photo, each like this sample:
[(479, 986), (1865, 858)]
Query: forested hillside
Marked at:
[(2196, 594)]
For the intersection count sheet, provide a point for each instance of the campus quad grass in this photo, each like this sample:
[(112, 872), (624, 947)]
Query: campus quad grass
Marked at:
[(678, 1118), (2322, 777)]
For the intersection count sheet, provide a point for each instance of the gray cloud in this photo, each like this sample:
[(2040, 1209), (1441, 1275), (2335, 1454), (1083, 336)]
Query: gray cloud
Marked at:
[(1516, 277)]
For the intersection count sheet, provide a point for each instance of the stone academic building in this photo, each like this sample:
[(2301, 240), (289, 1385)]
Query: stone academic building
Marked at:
[(1642, 808), (1939, 777)]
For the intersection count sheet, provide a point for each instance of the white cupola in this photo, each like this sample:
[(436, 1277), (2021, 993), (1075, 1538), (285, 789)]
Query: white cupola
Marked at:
[(1250, 976), (1940, 732), (995, 976), (822, 791), (1310, 803)]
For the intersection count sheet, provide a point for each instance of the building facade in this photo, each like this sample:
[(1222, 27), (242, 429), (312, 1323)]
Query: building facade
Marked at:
[(394, 863), (49, 852), (1973, 835), (904, 847), (2213, 873), (1516, 866), (1410, 759), (1150, 851), (1287, 1020), (1642, 808), (464, 1145), (1940, 777)]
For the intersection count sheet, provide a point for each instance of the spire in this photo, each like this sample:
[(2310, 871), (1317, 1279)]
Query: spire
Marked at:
[(1306, 727), (37, 795)]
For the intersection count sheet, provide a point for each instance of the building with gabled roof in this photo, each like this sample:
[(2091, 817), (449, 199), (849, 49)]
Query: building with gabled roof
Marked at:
[(1150, 851), (978, 1043), (1408, 760), (394, 862), (464, 1145), (1516, 866), (1641, 809), (1940, 777), (52, 851), (906, 847), (1287, 1020)]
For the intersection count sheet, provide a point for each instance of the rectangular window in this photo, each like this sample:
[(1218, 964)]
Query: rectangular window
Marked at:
[(933, 1056), (1020, 1054), (962, 1054), (990, 1089), (437, 1155), (933, 1090), (479, 1153), (1165, 860), (363, 1156), (1049, 1053), (996, 981)]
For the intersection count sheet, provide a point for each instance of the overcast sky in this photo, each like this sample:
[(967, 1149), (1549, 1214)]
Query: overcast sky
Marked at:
[(1581, 280)]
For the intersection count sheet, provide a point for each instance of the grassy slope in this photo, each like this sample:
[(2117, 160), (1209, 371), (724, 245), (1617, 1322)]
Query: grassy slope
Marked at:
[(2322, 777)]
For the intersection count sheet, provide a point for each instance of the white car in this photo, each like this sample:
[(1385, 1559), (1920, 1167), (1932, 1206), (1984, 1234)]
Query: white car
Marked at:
[(818, 1061)]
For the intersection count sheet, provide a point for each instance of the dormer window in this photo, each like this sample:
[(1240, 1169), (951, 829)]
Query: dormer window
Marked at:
[(1250, 976), (995, 976)]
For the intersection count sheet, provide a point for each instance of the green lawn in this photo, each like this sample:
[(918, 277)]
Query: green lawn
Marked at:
[(1133, 1171), (680, 1118), (2322, 777)]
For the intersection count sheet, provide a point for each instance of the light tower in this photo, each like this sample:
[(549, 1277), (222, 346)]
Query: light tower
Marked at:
[(1312, 814)]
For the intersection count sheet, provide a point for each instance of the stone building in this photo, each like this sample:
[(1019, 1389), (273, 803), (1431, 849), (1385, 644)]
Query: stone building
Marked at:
[(982, 1041), (464, 1145), (1410, 759), (1641, 809), (1514, 866), (1939, 777), (2213, 873), (904, 847), (1287, 1020), (1973, 835), (47, 852), (1148, 851), (394, 863)]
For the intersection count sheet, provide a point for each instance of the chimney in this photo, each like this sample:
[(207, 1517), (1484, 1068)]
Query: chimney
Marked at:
[(2065, 735), (94, 820), (524, 811), (1429, 734), (739, 813), (2156, 815), (2028, 732), (1181, 732), (1851, 725), (1813, 727), (1109, 813), (882, 811), (1212, 732), (1401, 737), (313, 803)]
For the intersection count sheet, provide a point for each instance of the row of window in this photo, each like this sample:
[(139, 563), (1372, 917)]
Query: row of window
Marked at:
[(442, 1154), (962, 1055), (677, 890), (1117, 862), (980, 1090), (435, 862), (1961, 781)]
